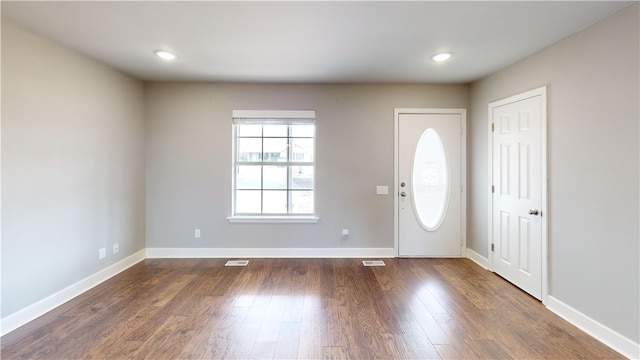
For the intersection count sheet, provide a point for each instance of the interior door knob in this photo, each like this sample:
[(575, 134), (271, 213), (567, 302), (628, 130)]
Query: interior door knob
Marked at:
[(534, 212)]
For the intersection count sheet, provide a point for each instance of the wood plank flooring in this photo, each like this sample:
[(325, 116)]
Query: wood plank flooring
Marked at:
[(302, 309)]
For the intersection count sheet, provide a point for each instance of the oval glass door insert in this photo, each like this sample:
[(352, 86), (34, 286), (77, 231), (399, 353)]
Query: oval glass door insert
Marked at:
[(430, 185)]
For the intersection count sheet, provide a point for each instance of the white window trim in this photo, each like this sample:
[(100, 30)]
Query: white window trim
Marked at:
[(279, 117), (239, 115), (273, 219)]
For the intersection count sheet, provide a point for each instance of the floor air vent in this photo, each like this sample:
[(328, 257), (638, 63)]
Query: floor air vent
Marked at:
[(237, 263), (373, 263)]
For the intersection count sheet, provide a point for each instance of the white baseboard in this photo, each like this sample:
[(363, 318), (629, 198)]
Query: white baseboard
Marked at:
[(609, 337), (270, 253), (47, 304), (478, 259)]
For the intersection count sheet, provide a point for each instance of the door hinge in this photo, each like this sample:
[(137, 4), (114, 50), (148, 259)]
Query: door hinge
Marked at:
[(493, 247), (493, 189), (493, 127)]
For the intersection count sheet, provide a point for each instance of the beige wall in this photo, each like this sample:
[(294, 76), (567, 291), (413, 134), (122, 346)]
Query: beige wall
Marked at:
[(189, 161), (593, 144), (72, 167)]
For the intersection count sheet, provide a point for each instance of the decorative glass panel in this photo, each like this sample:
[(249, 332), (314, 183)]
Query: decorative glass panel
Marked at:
[(275, 150), (302, 177), (275, 130), (302, 202), (248, 201), (274, 177), (301, 150), (306, 130), (248, 177), (275, 202), (430, 180), (249, 149), (249, 130)]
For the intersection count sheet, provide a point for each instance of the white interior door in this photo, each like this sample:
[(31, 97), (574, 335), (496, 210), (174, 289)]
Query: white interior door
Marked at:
[(429, 182), (518, 178)]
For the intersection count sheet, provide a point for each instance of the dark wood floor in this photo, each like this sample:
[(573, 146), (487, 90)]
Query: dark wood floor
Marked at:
[(304, 309)]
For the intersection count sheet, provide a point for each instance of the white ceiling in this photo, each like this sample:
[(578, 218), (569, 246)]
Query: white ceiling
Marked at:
[(302, 41)]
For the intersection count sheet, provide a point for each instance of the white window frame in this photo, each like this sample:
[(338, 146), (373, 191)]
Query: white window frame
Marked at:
[(270, 117)]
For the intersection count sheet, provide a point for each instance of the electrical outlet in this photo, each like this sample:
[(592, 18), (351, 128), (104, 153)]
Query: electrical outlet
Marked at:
[(116, 248), (345, 234), (103, 253), (197, 234)]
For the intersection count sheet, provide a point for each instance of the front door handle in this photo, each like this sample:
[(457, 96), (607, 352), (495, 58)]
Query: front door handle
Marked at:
[(403, 194)]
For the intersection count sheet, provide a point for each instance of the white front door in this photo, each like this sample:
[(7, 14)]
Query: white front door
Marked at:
[(518, 178), (429, 182)]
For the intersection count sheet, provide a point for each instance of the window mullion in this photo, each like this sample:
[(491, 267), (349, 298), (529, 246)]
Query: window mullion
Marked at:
[(262, 171), (289, 158)]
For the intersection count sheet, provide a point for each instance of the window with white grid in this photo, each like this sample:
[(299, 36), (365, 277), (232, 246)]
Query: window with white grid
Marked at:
[(273, 163)]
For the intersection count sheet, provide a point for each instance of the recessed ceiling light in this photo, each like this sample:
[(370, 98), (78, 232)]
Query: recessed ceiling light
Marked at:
[(165, 55), (441, 57)]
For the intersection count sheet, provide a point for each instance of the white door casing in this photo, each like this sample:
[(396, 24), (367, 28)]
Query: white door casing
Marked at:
[(517, 173), (430, 204)]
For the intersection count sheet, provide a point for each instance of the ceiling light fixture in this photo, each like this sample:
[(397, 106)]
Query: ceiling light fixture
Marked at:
[(440, 57), (165, 55)]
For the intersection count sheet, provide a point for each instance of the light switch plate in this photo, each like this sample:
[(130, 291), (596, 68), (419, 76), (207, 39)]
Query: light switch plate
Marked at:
[(382, 190)]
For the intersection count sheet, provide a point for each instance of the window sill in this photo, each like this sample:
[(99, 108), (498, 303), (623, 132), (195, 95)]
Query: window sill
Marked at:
[(274, 219)]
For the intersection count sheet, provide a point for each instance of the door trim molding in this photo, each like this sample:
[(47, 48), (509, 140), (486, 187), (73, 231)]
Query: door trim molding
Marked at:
[(542, 92), (463, 170)]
